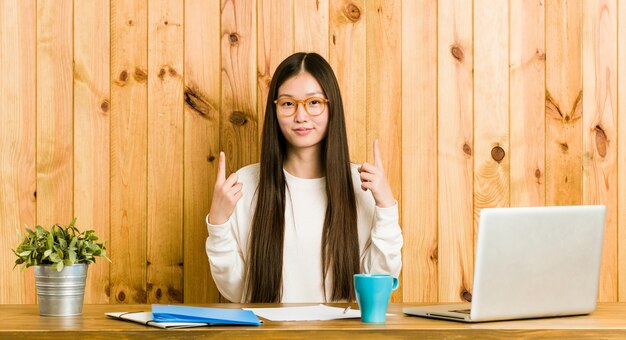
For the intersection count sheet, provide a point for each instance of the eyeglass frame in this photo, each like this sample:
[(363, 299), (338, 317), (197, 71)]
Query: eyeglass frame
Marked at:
[(303, 102)]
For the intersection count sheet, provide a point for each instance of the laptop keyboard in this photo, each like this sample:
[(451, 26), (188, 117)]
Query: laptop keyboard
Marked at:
[(464, 311)]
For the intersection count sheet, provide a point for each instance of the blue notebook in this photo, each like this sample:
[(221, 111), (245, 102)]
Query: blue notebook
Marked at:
[(216, 316)]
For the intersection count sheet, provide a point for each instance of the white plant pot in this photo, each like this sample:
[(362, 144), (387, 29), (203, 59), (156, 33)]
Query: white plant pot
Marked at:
[(60, 293)]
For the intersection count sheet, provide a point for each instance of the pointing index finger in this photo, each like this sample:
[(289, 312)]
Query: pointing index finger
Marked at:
[(378, 161), (221, 168)]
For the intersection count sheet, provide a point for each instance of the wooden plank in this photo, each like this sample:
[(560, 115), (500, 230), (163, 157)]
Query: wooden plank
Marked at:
[(600, 128), (621, 155), (17, 142), (311, 26), (419, 155), (165, 151), (563, 103), (91, 132), (347, 57), (54, 112), (383, 91), (275, 43), (527, 103), (129, 128), (238, 116), (202, 104), (455, 158), (491, 104)]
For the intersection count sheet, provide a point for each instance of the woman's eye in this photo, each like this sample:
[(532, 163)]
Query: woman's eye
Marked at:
[(287, 103), (314, 102)]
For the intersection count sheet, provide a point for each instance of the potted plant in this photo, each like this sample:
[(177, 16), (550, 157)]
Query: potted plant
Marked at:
[(61, 257)]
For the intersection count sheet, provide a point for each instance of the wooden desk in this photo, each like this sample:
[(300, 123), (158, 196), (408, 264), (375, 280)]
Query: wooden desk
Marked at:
[(23, 322)]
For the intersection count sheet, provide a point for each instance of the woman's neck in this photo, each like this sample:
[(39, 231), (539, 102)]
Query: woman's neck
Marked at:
[(304, 163)]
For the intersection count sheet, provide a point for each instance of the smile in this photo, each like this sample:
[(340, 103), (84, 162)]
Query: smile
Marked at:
[(302, 131)]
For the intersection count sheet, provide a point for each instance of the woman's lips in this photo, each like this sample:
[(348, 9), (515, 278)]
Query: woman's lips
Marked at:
[(302, 131)]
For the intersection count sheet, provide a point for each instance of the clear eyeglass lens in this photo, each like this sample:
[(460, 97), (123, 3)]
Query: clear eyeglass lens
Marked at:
[(314, 106), (287, 106)]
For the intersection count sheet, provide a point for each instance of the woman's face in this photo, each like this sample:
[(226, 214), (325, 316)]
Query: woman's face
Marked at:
[(302, 129)]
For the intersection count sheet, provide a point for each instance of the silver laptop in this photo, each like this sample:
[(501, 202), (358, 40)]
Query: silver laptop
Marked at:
[(531, 263)]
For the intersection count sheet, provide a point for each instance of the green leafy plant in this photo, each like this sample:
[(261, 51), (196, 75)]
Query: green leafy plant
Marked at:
[(60, 246)]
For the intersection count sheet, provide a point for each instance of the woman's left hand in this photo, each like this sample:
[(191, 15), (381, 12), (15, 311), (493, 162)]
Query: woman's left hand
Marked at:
[(373, 179)]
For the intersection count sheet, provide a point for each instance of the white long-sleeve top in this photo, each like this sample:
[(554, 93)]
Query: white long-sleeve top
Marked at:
[(380, 238)]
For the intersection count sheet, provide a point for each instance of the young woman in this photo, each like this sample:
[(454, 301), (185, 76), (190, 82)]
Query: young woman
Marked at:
[(298, 225)]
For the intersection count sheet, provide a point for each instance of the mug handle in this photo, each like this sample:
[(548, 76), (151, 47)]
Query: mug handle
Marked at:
[(395, 283)]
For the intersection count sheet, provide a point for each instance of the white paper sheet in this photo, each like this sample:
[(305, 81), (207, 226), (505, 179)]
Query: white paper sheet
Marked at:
[(145, 318), (306, 313)]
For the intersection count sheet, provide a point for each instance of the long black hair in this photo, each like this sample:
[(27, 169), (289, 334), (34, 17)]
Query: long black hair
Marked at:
[(340, 247)]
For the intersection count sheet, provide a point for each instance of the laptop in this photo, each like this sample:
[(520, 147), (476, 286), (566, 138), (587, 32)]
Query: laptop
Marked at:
[(531, 263)]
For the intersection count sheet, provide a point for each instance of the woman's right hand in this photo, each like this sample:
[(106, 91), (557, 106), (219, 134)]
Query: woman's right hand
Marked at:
[(226, 194)]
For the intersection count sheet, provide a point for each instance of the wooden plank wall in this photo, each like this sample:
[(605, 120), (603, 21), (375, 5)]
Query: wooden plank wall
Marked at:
[(92, 143), (165, 151), (18, 32), (419, 165), (455, 151), (201, 140), (115, 111), (527, 109), (599, 123), (129, 149)]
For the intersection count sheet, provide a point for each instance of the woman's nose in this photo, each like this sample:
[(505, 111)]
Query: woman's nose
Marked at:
[(301, 114)]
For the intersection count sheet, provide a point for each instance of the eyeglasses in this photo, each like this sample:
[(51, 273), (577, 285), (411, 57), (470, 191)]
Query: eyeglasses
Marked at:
[(287, 106)]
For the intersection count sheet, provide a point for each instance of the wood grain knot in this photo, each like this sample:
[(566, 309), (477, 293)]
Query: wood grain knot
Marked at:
[(172, 72), (466, 296), (577, 108), (540, 54), (352, 12), (140, 75), (195, 100), (166, 23), (105, 105), (130, 23), (434, 255), (141, 295), (233, 38), (123, 76), (238, 118), (121, 296), (601, 141), (467, 149), (564, 147), (35, 194), (158, 294), (210, 158), (537, 173), (497, 153), (174, 294), (457, 53), (162, 73), (552, 107)]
